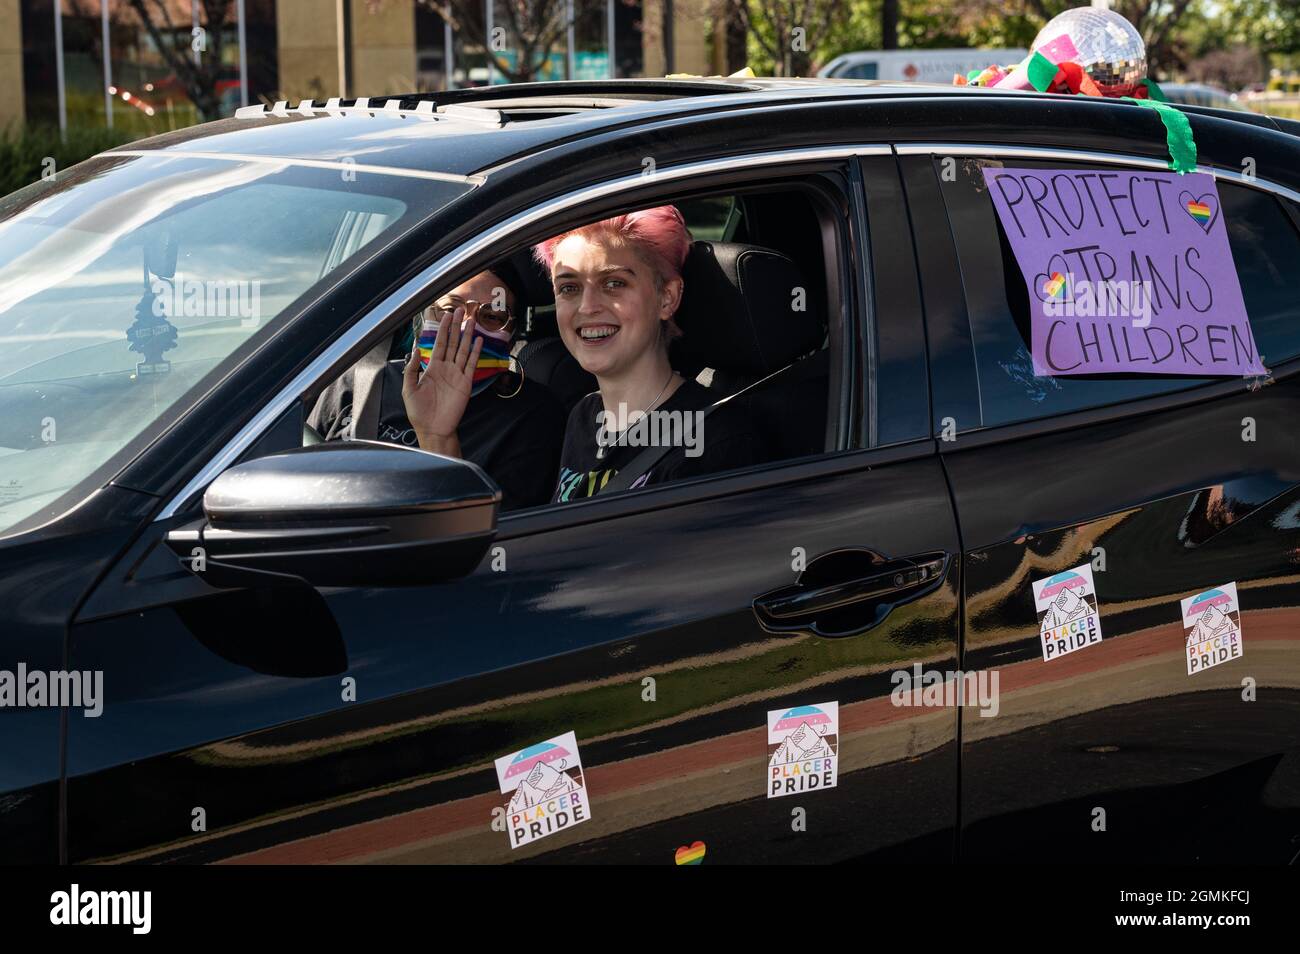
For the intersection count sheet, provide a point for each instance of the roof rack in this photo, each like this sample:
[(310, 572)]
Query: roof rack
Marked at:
[(464, 103), (396, 106)]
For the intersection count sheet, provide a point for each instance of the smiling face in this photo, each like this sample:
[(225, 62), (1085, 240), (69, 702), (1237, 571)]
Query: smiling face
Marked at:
[(609, 307)]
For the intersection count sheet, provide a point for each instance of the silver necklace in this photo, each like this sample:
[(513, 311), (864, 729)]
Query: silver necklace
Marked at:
[(600, 449)]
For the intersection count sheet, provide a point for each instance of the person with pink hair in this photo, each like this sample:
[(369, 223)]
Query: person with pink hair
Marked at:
[(618, 285)]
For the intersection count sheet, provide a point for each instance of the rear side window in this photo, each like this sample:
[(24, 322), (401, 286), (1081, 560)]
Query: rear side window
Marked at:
[(1266, 251), (1265, 248)]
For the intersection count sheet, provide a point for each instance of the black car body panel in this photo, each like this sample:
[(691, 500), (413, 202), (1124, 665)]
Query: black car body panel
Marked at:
[(454, 669)]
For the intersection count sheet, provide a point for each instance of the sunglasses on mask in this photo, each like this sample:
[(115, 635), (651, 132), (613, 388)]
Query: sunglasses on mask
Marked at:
[(484, 314)]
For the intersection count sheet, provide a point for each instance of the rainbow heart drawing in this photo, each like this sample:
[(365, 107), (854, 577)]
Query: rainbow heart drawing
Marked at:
[(1054, 287), (1203, 209), (692, 855)]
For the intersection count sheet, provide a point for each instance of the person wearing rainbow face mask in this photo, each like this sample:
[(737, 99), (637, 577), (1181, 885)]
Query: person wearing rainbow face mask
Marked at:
[(462, 350), (456, 394)]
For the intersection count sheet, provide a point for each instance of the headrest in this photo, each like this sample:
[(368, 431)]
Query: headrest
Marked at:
[(528, 280), (738, 312)]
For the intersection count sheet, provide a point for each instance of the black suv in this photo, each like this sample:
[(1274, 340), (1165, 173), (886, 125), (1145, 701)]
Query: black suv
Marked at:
[(250, 645)]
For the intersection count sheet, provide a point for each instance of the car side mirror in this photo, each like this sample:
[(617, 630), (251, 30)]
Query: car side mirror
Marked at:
[(343, 513)]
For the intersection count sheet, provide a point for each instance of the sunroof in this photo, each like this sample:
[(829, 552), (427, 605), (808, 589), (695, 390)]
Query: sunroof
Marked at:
[(632, 89)]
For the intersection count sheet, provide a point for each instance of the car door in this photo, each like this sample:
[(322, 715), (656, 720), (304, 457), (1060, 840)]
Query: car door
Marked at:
[(1158, 489), (615, 641)]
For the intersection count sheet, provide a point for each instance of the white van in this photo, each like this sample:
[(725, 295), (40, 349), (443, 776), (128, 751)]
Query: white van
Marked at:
[(920, 66)]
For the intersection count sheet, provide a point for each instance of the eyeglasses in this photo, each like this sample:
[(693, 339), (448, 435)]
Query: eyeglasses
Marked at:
[(484, 315)]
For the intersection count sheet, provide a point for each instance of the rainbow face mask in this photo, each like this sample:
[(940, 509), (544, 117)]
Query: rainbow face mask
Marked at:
[(493, 358)]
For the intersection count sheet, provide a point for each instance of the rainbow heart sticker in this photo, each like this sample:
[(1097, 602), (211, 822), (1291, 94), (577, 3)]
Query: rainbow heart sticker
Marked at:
[(1203, 209), (692, 855), (1055, 286)]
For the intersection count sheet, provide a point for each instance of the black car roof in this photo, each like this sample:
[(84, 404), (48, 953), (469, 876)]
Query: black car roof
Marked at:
[(462, 132)]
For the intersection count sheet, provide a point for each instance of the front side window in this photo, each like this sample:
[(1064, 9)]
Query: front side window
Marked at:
[(128, 280), (594, 360)]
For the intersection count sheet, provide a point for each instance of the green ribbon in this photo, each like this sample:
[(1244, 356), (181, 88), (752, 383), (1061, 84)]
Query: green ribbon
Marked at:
[(1040, 72), (1154, 91), (1178, 134)]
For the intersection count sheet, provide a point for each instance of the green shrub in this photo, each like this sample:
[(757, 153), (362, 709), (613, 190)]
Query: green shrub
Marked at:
[(23, 151)]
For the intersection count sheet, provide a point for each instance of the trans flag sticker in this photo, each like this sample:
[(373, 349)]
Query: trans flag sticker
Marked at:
[(546, 788), (803, 746), (1212, 628), (1067, 612)]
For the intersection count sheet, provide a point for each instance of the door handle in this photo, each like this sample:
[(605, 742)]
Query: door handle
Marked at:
[(826, 590)]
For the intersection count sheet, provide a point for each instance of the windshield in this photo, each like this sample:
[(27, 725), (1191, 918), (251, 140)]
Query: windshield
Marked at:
[(127, 280)]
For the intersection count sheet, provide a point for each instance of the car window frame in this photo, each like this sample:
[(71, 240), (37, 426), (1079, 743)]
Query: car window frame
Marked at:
[(958, 319), (847, 321), (476, 253)]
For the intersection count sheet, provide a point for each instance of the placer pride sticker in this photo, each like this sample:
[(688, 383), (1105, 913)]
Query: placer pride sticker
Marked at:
[(1067, 612), (803, 747), (546, 788), (1212, 627)]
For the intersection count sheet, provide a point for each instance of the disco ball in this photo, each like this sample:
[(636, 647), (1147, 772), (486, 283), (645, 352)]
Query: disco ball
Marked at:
[(1110, 48)]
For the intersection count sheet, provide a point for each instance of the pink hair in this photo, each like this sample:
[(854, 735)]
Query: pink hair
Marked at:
[(659, 234)]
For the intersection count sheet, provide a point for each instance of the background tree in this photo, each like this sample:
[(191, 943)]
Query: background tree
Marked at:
[(1270, 27), (172, 36), (1011, 23), (889, 24), (784, 33), (529, 28), (1229, 69)]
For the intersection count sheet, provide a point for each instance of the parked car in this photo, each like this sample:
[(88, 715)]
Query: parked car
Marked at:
[(318, 651), (920, 66), (1200, 94)]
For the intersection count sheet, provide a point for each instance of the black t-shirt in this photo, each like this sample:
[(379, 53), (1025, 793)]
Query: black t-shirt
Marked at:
[(515, 440), (722, 441)]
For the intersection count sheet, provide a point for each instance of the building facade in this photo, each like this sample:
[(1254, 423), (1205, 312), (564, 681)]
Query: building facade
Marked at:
[(175, 62)]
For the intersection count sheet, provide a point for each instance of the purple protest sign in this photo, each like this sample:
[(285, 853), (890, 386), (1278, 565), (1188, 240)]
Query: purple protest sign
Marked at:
[(1126, 271)]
